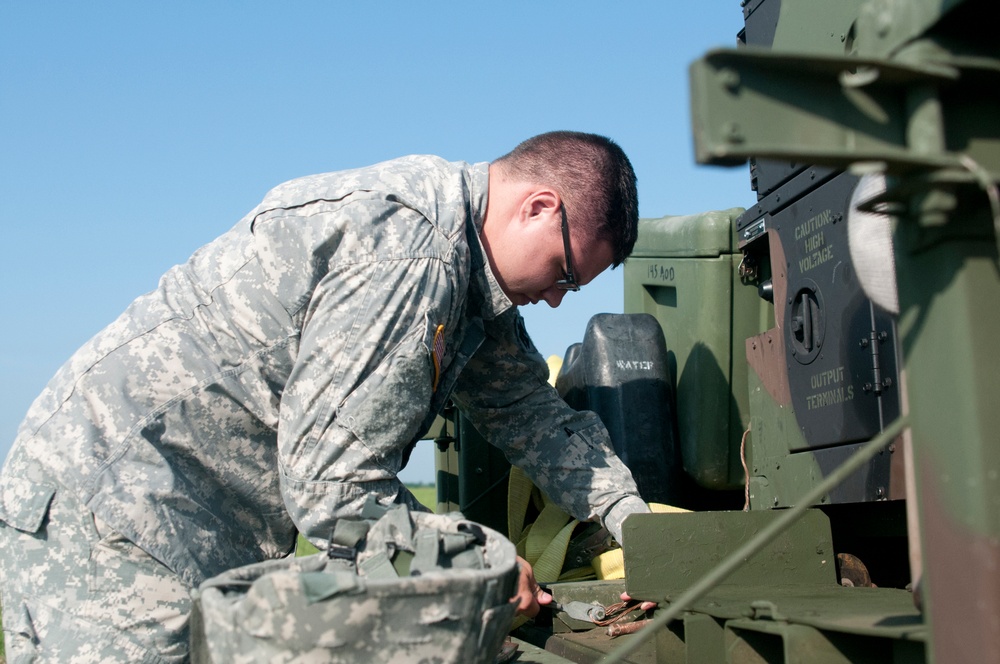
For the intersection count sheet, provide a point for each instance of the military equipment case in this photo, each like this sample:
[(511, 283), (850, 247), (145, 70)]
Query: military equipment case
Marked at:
[(685, 272), (449, 602)]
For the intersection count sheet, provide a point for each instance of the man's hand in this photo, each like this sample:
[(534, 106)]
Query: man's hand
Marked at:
[(645, 606), (530, 597)]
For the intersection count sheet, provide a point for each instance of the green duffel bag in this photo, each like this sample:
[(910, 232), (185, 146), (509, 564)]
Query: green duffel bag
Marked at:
[(407, 587)]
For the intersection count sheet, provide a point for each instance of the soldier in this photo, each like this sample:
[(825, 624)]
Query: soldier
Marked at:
[(282, 375)]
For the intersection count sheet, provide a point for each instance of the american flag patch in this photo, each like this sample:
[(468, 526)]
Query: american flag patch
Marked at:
[(438, 353)]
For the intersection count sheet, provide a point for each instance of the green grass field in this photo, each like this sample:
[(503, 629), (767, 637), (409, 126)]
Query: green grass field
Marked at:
[(426, 494)]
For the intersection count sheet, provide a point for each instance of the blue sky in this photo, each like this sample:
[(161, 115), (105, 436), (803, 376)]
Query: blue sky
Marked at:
[(131, 133)]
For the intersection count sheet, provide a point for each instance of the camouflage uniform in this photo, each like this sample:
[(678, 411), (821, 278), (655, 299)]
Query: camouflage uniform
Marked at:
[(415, 587), (358, 302)]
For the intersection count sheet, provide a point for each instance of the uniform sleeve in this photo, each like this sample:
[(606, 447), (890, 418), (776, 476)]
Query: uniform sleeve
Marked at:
[(362, 381), (567, 453)]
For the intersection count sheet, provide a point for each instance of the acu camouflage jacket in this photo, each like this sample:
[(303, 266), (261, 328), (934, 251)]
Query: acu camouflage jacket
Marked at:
[(274, 380)]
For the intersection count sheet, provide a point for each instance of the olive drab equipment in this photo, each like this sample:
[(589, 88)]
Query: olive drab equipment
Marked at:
[(832, 347), (403, 587)]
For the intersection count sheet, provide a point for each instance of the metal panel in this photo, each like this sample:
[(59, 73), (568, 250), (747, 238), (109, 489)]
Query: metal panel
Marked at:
[(817, 109), (666, 553), (830, 326)]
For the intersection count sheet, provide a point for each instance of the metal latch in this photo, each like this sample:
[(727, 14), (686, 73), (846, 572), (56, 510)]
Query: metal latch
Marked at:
[(593, 613), (763, 609)]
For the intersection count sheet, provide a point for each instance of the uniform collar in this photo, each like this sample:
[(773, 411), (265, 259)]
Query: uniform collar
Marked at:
[(491, 299)]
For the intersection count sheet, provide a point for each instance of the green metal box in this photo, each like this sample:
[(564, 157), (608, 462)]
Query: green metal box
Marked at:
[(685, 272)]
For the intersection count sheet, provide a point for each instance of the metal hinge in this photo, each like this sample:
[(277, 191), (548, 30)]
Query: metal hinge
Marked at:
[(878, 383)]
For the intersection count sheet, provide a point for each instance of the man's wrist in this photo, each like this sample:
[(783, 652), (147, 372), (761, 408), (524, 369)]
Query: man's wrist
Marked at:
[(617, 515)]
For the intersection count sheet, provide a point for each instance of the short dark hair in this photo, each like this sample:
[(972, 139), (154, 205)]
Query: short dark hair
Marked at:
[(592, 175)]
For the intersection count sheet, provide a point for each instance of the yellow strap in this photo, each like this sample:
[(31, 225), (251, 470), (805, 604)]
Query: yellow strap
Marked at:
[(609, 565), (548, 566), (660, 508), (519, 489), (542, 543), (555, 365)]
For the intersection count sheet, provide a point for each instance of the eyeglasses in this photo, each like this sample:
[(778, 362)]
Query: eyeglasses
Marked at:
[(568, 282)]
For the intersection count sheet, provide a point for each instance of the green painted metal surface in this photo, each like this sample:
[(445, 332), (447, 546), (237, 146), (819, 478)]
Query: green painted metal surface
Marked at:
[(904, 88), (777, 479), (529, 653), (784, 604), (829, 114), (755, 640), (667, 553), (878, 612), (915, 99), (593, 646), (949, 290), (758, 541), (701, 638), (817, 26), (684, 272), (703, 235)]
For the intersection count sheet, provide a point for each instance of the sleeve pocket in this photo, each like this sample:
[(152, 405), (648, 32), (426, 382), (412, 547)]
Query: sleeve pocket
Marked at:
[(24, 504), (385, 412)]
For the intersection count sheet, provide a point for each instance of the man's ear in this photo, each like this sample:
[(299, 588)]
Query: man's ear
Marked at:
[(542, 206)]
